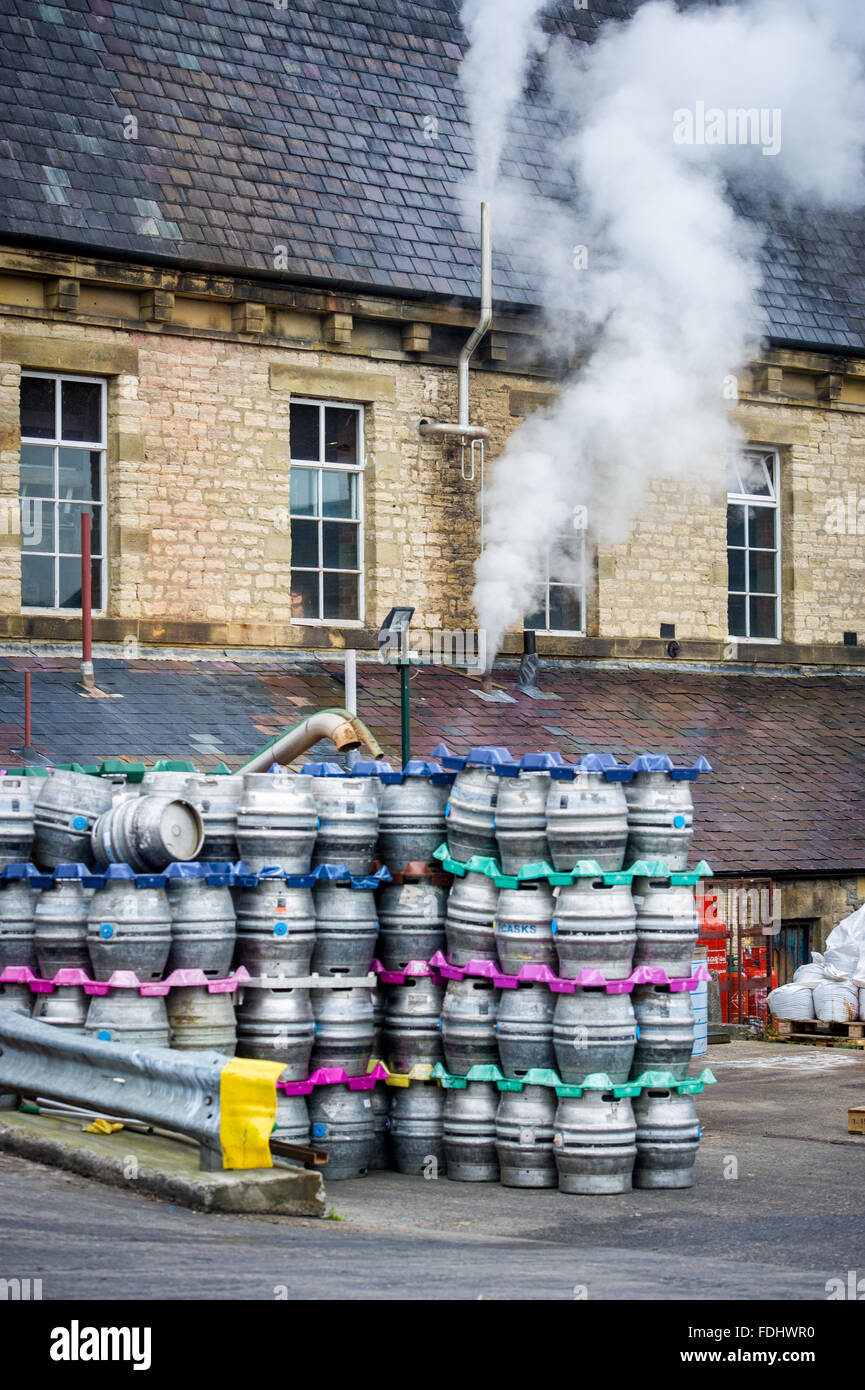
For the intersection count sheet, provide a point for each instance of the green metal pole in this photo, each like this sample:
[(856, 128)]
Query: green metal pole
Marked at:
[(405, 711)]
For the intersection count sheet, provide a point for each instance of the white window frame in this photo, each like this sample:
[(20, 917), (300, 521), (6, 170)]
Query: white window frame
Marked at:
[(102, 448), (358, 468), (581, 589), (773, 503)]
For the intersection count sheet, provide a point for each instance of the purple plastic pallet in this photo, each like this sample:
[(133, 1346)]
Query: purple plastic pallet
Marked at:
[(586, 979), (333, 1076), (122, 979)]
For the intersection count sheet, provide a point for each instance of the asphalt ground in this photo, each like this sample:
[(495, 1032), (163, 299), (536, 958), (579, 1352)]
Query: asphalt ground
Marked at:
[(775, 1213)]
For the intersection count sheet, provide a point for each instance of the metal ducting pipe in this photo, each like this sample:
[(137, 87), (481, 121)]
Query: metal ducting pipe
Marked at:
[(343, 728), (463, 430)]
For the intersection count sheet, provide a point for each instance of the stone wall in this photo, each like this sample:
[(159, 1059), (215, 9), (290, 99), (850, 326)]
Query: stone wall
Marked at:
[(198, 470)]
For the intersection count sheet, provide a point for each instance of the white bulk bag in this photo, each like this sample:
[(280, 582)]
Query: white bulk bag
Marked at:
[(811, 974), (836, 1001), (792, 1001)]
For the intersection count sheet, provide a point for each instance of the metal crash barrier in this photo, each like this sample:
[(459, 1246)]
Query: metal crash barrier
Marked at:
[(226, 1104)]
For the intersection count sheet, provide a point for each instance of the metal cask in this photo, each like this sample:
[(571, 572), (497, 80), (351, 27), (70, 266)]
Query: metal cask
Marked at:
[(417, 1128), (593, 1032), (524, 1137), (342, 1123), (524, 927), (666, 1023), (595, 929), (276, 1025), (66, 810), (595, 1143), (129, 928), (412, 1029), (346, 928), (470, 919), (276, 822), (668, 1136), (344, 1029), (524, 1029), (411, 922), (469, 1024), (469, 1132)]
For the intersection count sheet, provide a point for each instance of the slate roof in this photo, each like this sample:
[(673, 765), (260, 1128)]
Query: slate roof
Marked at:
[(303, 127), (787, 794)]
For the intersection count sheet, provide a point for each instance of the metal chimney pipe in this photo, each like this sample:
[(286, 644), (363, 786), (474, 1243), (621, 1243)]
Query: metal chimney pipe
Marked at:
[(486, 316), (462, 429)]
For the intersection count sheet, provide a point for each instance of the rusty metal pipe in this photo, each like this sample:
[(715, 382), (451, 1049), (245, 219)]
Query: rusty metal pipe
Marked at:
[(343, 728)]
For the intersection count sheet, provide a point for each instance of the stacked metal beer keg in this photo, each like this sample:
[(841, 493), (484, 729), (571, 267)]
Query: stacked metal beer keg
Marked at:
[(574, 877)]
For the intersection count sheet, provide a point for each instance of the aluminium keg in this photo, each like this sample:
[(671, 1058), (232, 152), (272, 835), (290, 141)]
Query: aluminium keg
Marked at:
[(524, 927), (587, 819), (16, 820), (276, 822), (524, 1137), (60, 928), (471, 814), (203, 928), (347, 821), (342, 1124), (17, 924), (199, 1019), (129, 928), (148, 833), (411, 918), (346, 928), (668, 1136), (596, 929), (344, 1029), (666, 1022), (469, 1024), (275, 1024), (469, 1132), (215, 799), (380, 1122), (521, 820), (67, 808), (595, 1143), (412, 820), (65, 1007), (125, 1016), (660, 818), (292, 1118), (416, 1118), (593, 1032), (524, 1029), (412, 1032), (18, 998), (470, 919), (275, 928), (667, 925)]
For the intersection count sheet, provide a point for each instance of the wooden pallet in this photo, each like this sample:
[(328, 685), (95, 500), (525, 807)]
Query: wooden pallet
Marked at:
[(818, 1033)]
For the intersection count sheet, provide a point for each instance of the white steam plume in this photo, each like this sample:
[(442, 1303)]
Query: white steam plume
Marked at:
[(664, 306)]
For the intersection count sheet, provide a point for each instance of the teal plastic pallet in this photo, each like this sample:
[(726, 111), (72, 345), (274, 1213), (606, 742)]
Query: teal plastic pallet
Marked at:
[(597, 1081)]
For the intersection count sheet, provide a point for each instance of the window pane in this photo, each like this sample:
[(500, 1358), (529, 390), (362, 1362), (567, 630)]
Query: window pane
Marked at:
[(37, 471), (304, 544), (303, 421), (81, 410), (37, 524), (755, 475), (69, 527), (761, 572), (736, 565), (304, 492), (763, 611), (341, 596), (37, 581), (69, 583), (761, 527), (338, 494), (567, 560), (566, 610), (736, 617), (339, 542), (78, 473), (37, 407), (304, 595), (735, 525), (340, 435), (536, 621)]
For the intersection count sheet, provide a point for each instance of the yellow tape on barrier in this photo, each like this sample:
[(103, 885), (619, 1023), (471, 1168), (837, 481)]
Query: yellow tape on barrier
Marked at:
[(247, 1102)]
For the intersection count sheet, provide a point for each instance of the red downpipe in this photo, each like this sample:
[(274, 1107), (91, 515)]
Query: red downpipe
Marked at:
[(86, 604)]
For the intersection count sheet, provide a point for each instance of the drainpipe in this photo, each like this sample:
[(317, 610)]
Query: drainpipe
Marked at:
[(341, 726)]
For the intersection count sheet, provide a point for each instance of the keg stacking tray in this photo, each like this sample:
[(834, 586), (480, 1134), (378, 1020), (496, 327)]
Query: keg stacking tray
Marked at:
[(501, 762), (595, 1081), (440, 968), (334, 1076), (584, 868), (124, 979)]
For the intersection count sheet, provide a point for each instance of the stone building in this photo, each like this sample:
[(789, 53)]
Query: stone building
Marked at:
[(234, 278)]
